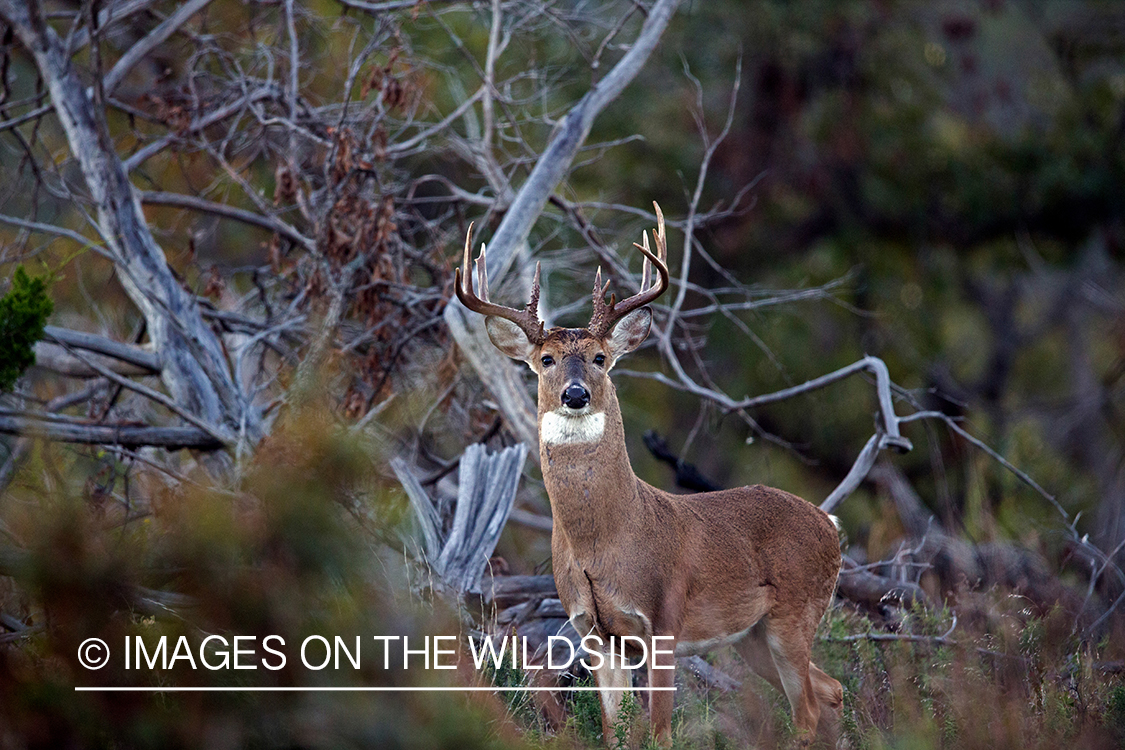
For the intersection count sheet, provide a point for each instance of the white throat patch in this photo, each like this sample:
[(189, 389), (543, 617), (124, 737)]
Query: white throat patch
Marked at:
[(560, 427)]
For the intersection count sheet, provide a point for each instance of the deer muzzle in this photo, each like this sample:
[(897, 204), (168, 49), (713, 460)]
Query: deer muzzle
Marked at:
[(575, 396)]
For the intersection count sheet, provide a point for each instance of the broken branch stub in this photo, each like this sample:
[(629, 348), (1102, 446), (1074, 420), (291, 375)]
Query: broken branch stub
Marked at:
[(485, 495)]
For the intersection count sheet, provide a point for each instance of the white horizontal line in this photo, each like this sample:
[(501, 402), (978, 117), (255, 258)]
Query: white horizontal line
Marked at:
[(380, 689)]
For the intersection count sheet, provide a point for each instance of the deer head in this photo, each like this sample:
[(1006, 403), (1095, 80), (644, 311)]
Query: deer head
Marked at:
[(573, 364)]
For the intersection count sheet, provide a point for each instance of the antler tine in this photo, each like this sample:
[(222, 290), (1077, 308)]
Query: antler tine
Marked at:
[(601, 311), (527, 319), (599, 290), (605, 317), (482, 273), (466, 259), (646, 269), (533, 302)]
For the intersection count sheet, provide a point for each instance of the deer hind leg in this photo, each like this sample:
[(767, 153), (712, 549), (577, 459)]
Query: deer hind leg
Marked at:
[(830, 695), (789, 643), (756, 654), (818, 691)]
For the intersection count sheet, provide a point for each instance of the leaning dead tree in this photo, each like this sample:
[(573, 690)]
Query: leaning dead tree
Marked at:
[(193, 366)]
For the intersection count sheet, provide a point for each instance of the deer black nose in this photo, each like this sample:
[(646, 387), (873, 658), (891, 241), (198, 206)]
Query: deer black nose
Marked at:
[(575, 396)]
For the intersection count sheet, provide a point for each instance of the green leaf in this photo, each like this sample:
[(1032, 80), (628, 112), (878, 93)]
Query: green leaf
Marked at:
[(23, 313)]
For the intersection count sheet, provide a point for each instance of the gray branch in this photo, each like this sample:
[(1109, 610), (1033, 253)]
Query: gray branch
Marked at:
[(567, 139), (56, 359), (127, 435), (90, 342), (485, 495), (270, 223), (153, 39), (229, 110)]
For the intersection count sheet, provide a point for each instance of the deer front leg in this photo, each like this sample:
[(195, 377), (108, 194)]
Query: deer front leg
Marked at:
[(662, 674), (613, 683)]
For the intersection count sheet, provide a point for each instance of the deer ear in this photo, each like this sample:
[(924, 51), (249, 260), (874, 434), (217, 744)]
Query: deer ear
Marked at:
[(509, 338), (629, 332)]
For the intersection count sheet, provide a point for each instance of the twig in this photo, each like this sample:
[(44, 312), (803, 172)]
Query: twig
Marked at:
[(130, 435), (144, 153), (156, 396), (70, 234), (265, 221), (150, 41), (943, 639)]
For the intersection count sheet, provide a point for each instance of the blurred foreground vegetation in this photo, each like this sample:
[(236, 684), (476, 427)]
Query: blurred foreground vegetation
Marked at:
[(298, 551)]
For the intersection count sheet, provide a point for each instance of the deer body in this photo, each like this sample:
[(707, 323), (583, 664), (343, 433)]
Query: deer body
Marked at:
[(754, 567)]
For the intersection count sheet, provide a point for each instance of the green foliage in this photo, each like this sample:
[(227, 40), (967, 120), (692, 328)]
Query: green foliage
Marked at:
[(585, 713), (1115, 713), (623, 724), (23, 313)]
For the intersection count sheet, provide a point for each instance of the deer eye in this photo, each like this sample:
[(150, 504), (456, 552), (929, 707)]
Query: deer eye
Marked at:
[(547, 360), (599, 359)]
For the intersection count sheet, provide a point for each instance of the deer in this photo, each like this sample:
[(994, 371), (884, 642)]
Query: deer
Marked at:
[(753, 567)]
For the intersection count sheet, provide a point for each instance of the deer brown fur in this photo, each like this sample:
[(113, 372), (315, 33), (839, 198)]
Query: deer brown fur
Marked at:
[(754, 567)]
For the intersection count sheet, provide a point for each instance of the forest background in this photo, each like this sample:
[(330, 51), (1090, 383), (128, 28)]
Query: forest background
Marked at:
[(242, 366)]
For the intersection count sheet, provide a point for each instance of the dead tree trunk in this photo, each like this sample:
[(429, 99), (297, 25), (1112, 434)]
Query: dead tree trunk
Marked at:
[(487, 484)]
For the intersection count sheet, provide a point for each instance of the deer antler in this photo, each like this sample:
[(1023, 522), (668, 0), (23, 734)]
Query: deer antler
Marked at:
[(605, 316), (527, 319)]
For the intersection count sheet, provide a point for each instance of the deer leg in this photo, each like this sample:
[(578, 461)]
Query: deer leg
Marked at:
[(827, 693), (611, 678), (756, 654), (830, 696), (790, 645), (661, 701)]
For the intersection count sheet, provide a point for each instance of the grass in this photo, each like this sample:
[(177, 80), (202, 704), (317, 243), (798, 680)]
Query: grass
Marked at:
[(1002, 678)]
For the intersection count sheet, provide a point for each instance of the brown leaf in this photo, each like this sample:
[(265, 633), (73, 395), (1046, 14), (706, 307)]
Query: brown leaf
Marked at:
[(285, 187), (215, 283)]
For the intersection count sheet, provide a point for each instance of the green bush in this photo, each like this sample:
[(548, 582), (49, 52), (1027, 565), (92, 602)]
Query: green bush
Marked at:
[(23, 313)]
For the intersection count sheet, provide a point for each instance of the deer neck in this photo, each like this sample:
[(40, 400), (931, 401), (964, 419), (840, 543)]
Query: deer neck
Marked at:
[(586, 470)]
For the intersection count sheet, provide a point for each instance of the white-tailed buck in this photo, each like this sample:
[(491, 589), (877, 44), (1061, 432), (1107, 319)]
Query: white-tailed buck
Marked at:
[(754, 567)]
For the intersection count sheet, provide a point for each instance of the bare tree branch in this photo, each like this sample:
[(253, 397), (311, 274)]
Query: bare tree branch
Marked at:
[(70, 234), (128, 435), (265, 221), (567, 139), (134, 355), (54, 358), (195, 369), (218, 115), (153, 395), (153, 39)]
